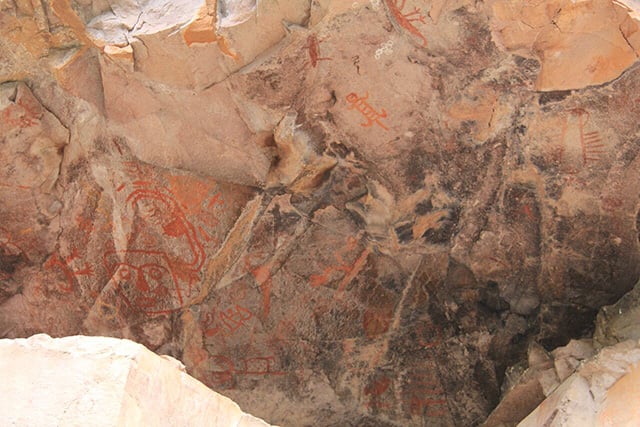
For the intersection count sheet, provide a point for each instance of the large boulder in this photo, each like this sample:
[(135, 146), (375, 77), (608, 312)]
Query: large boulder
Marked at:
[(603, 392), (100, 382)]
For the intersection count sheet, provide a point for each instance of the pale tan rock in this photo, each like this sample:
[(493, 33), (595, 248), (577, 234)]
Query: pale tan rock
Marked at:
[(256, 29), (124, 53), (313, 176), (579, 349), (99, 381), (145, 106), (549, 381), (545, 373), (202, 29), (568, 358), (37, 139), (538, 356), (293, 151), (603, 392), (578, 43), (570, 405), (518, 401), (565, 367), (192, 135), (526, 388), (78, 72), (620, 406)]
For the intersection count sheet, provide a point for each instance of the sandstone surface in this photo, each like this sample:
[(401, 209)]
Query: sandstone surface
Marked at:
[(333, 212), (99, 381), (603, 392)]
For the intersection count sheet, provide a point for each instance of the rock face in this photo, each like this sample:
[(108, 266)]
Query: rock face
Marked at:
[(333, 212), (527, 386), (588, 382), (577, 43), (98, 381), (621, 321), (603, 392)]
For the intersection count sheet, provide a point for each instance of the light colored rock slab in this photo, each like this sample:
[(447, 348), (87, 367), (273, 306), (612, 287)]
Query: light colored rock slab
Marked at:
[(99, 381), (603, 392), (578, 43)]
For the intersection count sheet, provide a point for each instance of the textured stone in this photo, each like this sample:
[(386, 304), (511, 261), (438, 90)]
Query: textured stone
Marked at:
[(602, 392), (578, 43), (98, 381), (620, 321), (335, 212), (526, 388)]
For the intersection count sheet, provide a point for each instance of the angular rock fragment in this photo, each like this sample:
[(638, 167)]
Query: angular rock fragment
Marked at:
[(103, 381)]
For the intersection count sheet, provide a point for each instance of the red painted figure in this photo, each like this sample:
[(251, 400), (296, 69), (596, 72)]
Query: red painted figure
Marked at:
[(313, 45), (405, 20), (361, 105)]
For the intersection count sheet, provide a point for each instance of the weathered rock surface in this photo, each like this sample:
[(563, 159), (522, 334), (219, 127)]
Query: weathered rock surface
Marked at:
[(334, 212), (603, 392), (99, 381), (524, 389), (559, 376), (578, 43), (620, 321)]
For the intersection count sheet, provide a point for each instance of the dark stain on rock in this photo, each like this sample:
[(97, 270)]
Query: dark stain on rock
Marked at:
[(9, 262), (404, 232), (423, 207), (559, 323), (283, 221), (529, 66), (553, 96), (446, 230), (491, 299), (638, 225), (338, 149), (414, 172)]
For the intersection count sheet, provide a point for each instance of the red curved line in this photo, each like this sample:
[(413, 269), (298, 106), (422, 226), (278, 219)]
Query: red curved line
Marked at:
[(196, 247)]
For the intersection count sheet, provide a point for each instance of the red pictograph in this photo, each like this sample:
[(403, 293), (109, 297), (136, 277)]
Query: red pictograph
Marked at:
[(422, 405), (429, 335), (424, 395), (262, 275), (256, 263), (10, 253), (375, 390), (145, 280), (161, 209), (376, 322), (590, 142), (118, 147), (361, 105), (342, 268), (165, 256), (223, 370), (579, 143), (405, 20), (23, 113), (313, 45), (611, 204), (56, 262), (226, 322), (592, 146), (216, 200), (9, 245)]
